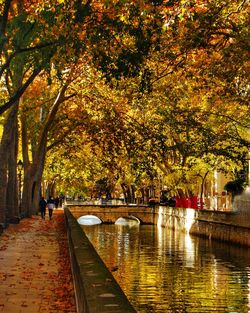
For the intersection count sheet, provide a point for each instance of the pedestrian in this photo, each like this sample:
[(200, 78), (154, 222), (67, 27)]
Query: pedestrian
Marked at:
[(61, 200), (42, 205), (56, 202), (51, 206)]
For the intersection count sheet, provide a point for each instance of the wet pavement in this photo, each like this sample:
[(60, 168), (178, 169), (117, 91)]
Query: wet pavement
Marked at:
[(35, 271)]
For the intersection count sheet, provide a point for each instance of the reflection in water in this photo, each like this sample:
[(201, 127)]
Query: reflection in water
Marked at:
[(165, 271)]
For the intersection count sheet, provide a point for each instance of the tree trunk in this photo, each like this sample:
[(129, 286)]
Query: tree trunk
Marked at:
[(5, 154), (132, 193), (33, 171), (128, 191), (12, 186), (26, 196), (31, 191), (202, 189), (32, 184), (36, 187), (124, 190)]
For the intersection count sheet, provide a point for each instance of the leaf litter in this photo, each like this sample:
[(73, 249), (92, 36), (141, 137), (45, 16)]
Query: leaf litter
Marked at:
[(36, 268)]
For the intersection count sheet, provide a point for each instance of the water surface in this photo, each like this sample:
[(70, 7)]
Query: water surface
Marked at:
[(165, 271)]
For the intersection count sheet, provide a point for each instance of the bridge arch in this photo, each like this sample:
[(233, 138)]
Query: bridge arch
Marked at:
[(129, 220), (89, 219)]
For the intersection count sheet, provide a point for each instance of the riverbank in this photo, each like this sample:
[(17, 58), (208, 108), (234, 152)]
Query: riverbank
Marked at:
[(35, 271)]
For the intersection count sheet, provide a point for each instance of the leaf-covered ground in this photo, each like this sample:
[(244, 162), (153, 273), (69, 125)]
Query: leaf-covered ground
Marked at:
[(35, 271)]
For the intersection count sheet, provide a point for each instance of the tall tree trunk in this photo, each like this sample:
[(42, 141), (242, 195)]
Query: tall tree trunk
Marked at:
[(32, 176), (31, 189), (202, 188), (27, 183), (133, 194), (3, 23), (33, 170), (36, 187), (5, 148), (12, 186)]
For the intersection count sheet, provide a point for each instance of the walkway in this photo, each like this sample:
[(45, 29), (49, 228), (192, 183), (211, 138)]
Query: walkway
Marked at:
[(35, 272)]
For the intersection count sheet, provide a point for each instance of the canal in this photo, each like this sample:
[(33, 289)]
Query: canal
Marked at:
[(161, 270)]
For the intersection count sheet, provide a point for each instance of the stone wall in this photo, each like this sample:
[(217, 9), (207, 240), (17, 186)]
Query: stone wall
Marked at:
[(222, 232), (225, 226)]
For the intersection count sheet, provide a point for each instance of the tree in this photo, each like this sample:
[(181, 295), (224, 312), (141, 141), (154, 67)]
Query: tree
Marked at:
[(180, 70), (23, 56), (53, 34)]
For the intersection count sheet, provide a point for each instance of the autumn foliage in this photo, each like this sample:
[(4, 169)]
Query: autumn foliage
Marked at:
[(141, 93)]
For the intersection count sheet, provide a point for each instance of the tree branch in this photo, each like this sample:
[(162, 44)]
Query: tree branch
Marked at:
[(23, 50), (20, 91), (3, 23), (63, 136)]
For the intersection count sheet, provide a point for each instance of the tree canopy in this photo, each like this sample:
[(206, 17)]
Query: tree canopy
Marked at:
[(130, 93)]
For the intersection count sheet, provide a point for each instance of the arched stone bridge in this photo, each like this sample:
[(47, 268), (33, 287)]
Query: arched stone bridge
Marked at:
[(110, 213)]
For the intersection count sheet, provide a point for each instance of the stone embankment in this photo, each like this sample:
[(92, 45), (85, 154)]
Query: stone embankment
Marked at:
[(233, 227)]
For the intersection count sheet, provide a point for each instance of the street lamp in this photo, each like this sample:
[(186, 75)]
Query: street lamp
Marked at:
[(19, 168)]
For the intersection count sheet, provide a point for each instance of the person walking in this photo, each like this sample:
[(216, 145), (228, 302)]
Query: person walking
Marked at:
[(56, 202), (51, 206), (42, 205)]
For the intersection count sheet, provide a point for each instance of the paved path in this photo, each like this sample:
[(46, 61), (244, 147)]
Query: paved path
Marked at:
[(35, 274)]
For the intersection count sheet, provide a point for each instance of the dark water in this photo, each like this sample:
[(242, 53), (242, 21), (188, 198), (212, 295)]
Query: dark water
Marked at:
[(165, 271)]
